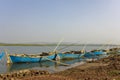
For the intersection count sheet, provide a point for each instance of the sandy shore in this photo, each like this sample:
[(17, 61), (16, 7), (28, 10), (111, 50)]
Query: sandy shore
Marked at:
[(103, 69)]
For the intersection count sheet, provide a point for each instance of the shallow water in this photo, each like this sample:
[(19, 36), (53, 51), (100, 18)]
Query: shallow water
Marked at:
[(47, 65)]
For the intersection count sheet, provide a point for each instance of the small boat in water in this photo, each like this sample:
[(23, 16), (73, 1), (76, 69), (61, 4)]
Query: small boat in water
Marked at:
[(94, 53), (71, 54), (21, 58), (68, 55), (99, 52), (2, 55)]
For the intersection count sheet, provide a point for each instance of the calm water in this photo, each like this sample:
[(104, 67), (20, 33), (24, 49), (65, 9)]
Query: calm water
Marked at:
[(47, 65)]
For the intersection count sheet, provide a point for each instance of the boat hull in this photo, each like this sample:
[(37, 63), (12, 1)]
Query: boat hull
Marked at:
[(99, 53), (94, 54), (68, 55), (20, 59)]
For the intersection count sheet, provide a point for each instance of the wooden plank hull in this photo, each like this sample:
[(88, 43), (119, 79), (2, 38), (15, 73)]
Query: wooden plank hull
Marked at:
[(93, 54), (69, 55), (28, 58), (20, 59)]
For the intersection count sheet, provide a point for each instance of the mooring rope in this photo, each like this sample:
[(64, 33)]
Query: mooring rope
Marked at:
[(104, 45), (67, 46), (58, 45)]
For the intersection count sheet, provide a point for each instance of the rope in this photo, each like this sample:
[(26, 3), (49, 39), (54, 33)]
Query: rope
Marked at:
[(83, 51), (57, 45), (7, 56), (47, 59), (68, 46), (104, 45), (44, 57), (108, 45), (52, 60), (84, 46)]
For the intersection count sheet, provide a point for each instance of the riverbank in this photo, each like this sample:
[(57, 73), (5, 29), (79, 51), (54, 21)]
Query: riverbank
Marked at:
[(103, 69)]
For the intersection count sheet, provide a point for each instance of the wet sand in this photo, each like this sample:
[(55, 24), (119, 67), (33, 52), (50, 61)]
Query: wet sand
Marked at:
[(103, 69)]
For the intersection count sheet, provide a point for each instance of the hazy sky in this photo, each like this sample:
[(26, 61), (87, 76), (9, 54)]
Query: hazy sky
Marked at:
[(91, 21)]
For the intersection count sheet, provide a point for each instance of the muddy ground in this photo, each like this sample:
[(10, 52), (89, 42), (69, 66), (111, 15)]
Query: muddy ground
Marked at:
[(103, 69)]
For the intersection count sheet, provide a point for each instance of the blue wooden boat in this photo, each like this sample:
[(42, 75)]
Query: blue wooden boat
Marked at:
[(94, 53), (68, 55), (99, 52), (2, 55), (89, 55), (21, 58), (72, 54)]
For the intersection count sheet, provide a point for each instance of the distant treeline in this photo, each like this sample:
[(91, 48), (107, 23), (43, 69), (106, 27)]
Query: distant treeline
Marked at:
[(2, 44)]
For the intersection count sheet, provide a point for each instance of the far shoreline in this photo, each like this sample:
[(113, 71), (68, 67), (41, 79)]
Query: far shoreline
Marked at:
[(7, 44)]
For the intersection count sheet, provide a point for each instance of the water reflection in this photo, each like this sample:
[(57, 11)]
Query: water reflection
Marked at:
[(46, 65), (19, 66)]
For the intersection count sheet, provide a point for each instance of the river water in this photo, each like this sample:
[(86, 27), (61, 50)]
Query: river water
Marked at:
[(47, 65)]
